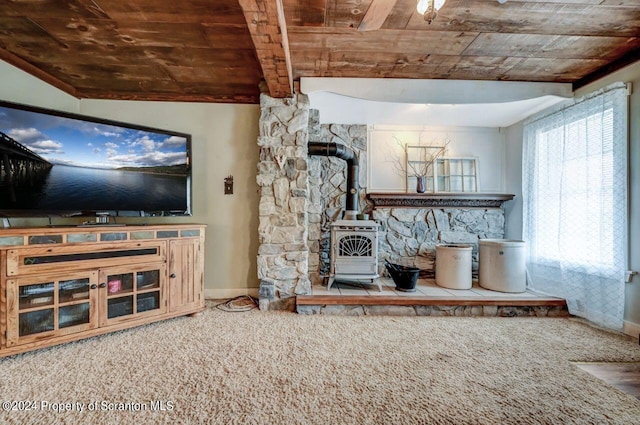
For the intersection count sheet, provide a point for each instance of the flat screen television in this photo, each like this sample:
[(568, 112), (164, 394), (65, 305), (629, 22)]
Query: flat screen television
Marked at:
[(59, 164)]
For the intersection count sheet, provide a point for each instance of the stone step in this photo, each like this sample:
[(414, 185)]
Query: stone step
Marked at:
[(432, 306)]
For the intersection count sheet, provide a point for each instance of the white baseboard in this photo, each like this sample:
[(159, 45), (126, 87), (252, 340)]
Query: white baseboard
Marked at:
[(632, 329), (220, 294)]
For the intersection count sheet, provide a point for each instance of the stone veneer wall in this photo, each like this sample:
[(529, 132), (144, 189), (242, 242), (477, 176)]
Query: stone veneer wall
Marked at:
[(328, 188), (409, 236), (283, 180)]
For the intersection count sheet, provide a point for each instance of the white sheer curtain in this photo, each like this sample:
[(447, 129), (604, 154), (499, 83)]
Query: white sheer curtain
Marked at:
[(575, 204)]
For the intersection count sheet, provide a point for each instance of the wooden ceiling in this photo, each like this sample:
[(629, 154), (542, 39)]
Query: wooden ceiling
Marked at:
[(221, 50)]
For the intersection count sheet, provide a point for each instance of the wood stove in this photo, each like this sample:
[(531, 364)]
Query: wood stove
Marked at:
[(354, 251)]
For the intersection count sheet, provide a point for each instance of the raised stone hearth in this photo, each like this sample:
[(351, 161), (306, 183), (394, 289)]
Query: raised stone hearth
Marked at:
[(429, 299), (434, 310)]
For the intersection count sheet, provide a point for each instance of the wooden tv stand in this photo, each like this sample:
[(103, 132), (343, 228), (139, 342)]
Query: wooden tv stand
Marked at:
[(62, 284)]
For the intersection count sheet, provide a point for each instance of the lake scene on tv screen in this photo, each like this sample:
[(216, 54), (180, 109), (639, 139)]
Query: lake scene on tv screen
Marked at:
[(60, 163)]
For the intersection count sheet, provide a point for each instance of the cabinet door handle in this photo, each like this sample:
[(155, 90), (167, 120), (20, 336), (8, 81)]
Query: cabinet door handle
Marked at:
[(94, 286), (172, 275), (103, 285)]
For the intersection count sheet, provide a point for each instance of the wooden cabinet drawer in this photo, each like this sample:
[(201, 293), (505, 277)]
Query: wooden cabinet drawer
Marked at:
[(28, 261)]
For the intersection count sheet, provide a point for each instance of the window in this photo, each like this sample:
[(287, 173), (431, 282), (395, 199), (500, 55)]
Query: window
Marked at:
[(575, 204), (575, 179), (457, 175)]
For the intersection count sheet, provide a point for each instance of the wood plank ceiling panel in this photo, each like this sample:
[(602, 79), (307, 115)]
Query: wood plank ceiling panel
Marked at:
[(381, 43), (379, 54), (100, 32), (203, 50), (401, 14), (304, 12), (532, 18), (229, 37), (211, 48), (17, 30), (220, 52), (156, 50), (185, 11), (69, 9), (356, 64), (376, 14), (20, 38), (382, 55), (122, 78), (165, 34), (6, 10), (553, 70), (345, 13), (550, 46)]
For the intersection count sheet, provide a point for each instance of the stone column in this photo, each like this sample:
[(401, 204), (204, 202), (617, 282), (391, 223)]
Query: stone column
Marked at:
[(283, 254)]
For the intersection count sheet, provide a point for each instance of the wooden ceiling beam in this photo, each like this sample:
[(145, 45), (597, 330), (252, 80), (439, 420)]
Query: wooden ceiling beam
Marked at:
[(376, 15), (29, 68), (268, 29)]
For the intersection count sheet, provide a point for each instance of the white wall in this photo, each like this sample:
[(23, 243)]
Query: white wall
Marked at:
[(397, 101), (20, 87), (223, 143), (513, 155), (485, 144)]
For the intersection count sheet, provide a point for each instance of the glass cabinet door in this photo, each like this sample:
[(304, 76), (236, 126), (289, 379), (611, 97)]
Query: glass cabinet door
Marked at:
[(36, 308), (74, 306), (50, 306), (131, 292)]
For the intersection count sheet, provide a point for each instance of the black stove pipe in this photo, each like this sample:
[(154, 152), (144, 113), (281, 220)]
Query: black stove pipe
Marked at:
[(349, 155)]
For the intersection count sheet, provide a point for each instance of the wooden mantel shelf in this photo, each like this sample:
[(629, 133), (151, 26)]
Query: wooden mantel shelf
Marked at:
[(440, 200)]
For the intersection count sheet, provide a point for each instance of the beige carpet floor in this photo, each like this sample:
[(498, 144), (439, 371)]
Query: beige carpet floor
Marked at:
[(282, 368)]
